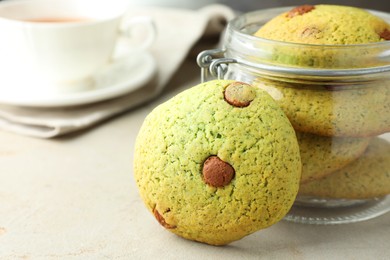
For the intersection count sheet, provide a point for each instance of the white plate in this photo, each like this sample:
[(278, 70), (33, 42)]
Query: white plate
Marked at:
[(121, 77)]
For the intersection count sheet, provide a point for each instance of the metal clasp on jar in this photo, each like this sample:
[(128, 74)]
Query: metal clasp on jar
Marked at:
[(213, 64)]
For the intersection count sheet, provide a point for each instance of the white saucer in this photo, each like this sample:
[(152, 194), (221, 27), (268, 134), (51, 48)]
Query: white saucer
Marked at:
[(121, 77)]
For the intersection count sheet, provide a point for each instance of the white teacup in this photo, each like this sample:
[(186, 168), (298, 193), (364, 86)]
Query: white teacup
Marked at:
[(56, 45)]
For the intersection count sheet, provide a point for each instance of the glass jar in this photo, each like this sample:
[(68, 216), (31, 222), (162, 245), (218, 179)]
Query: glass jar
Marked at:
[(337, 98)]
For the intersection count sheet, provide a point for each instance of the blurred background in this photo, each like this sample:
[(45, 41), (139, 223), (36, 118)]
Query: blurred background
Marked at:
[(250, 5)]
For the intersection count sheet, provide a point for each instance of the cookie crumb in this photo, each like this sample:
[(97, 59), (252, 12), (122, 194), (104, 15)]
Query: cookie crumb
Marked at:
[(161, 219), (300, 10), (239, 94), (216, 172)]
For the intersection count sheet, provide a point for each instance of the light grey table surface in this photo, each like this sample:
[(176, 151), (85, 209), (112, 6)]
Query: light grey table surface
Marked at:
[(74, 197)]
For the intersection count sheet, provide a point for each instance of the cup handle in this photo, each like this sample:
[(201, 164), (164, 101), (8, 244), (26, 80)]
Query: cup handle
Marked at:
[(146, 23)]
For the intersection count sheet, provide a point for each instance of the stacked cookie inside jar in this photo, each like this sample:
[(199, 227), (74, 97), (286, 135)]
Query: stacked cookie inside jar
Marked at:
[(328, 67)]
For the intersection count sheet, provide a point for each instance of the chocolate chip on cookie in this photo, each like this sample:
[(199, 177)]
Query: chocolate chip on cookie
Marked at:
[(216, 172), (300, 10), (161, 220), (239, 94), (385, 34)]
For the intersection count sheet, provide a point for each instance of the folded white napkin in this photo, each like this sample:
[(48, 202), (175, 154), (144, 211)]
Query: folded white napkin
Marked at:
[(178, 32)]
